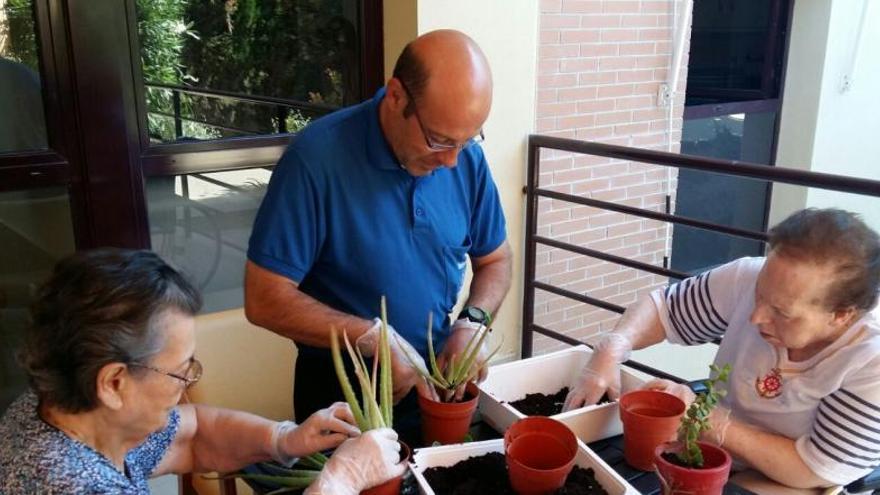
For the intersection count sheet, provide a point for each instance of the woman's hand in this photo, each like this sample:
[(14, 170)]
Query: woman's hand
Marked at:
[(679, 390), (323, 430), (360, 463)]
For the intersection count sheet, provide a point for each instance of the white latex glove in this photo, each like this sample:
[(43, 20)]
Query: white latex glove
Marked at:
[(601, 374), (360, 463), (456, 344), (719, 420), (403, 354), (323, 430), (679, 390)]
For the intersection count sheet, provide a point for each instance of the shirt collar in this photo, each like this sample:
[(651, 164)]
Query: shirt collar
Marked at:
[(378, 150)]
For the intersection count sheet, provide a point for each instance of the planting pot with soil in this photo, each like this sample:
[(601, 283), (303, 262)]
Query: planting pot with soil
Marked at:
[(650, 418)]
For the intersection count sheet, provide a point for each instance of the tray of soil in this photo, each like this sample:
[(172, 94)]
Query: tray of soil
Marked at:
[(548, 375), (539, 404), (480, 468)]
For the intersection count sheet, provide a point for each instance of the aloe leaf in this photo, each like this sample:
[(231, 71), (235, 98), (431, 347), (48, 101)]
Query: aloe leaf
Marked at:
[(342, 376), (386, 387)]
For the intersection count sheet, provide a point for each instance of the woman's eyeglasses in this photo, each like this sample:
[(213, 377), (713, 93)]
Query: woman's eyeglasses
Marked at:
[(190, 378)]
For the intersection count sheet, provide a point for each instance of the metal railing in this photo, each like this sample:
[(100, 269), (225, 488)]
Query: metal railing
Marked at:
[(724, 167)]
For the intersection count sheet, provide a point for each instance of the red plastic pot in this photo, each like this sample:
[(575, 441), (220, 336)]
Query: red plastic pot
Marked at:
[(448, 422), (540, 453), (650, 418), (392, 486), (708, 480)]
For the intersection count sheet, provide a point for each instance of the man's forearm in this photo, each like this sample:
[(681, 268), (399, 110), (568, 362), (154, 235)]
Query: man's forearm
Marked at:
[(491, 281), (277, 304), (773, 455)]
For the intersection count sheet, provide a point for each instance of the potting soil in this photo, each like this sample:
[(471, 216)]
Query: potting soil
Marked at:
[(488, 474), (545, 404)]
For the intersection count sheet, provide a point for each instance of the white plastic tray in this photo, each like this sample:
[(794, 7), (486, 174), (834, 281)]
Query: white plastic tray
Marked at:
[(449, 455), (547, 374)]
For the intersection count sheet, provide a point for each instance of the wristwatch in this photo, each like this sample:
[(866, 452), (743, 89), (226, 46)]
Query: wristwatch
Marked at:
[(476, 315)]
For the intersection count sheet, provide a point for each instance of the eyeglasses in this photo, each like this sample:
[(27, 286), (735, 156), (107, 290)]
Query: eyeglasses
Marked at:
[(434, 145), (193, 373)]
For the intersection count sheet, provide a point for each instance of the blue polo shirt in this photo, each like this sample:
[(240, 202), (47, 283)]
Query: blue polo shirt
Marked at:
[(346, 222)]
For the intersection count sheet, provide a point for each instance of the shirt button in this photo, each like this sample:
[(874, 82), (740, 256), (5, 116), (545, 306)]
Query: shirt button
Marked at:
[(419, 211)]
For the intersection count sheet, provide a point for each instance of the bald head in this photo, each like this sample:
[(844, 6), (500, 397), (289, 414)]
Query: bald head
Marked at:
[(446, 67)]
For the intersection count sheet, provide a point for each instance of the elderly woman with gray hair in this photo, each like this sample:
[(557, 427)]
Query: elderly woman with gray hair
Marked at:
[(109, 355)]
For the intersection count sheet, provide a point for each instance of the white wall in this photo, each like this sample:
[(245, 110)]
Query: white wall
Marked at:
[(824, 129), (511, 47)]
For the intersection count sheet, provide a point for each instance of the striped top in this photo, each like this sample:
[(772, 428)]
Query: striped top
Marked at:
[(829, 404)]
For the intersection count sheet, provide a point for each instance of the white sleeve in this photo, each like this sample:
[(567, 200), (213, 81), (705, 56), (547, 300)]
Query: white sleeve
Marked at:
[(697, 309), (844, 443)]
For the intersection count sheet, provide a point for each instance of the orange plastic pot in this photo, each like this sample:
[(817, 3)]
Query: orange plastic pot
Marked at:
[(448, 422), (540, 453), (392, 486), (708, 480), (650, 418)]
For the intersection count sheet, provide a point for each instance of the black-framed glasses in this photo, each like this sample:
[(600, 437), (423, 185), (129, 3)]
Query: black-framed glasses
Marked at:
[(192, 376), (433, 145)]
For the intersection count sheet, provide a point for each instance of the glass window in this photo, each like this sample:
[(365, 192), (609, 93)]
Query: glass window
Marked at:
[(35, 232), (201, 222), (20, 88), (246, 67)]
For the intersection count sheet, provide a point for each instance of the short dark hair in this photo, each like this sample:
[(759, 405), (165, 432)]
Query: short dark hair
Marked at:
[(838, 237), (411, 71), (98, 307)]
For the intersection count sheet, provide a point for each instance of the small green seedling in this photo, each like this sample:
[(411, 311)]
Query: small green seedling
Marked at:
[(696, 419)]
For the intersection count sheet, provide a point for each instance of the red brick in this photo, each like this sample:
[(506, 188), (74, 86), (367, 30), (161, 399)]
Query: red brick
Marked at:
[(645, 89), (607, 170), (577, 94), (545, 124), (580, 36), (551, 6), (555, 109), (544, 271), (595, 106), (597, 78), (652, 61), (620, 7), (578, 64), (618, 277), (589, 160), (550, 21), (659, 7), (653, 114), (568, 277), (625, 228), (652, 139), (640, 21), (610, 195), (635, 102), (582, 7), (619, 35), (558, 51), (554, 165), (600, 21), (615, 91), (557, 81), (627, 180), (549, 37), (546, 95), (642, 190), (631, 129), (577, 122), (613, 118), (595, 134), (663, 47), (599, 49), (636, 48), (660, 34), (617, 63), (548, 66), (572, 175), (588, 187)]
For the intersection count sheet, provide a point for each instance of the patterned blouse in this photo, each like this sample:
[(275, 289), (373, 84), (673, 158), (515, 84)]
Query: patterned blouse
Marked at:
[(38, 458)]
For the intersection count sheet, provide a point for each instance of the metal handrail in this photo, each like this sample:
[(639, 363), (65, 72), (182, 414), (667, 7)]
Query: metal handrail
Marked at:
[(726, 167)]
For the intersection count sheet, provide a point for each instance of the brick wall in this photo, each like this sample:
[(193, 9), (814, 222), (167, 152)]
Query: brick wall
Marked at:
[(600, 67)]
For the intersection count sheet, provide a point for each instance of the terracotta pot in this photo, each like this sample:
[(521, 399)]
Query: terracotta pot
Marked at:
[(448, 422), (708, 480), (392, 486), (540, 453), (650, 418)]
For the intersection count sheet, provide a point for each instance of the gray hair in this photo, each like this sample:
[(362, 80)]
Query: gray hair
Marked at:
[(99, 307)]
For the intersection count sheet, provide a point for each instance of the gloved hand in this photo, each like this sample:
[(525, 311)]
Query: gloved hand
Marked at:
[(719, 420), (456, 344), (679, 390), (360, 463), (403, 354), (601, 373), (323, 430)]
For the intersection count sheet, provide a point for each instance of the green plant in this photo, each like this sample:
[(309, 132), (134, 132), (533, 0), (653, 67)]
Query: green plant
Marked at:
[(290, 480), (458, 370), (696, 419), (371, 412)]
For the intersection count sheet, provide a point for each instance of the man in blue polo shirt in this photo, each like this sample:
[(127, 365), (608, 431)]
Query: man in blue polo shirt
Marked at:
[(389, 197)]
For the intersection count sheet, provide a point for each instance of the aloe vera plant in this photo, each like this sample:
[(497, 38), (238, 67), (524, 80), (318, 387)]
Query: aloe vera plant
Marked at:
[(374, 409), (288, 480), (458, 370), (696, 419)]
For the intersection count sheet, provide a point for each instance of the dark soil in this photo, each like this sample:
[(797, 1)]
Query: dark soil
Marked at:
[(487, 474), (671, 458), (544, 404)]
